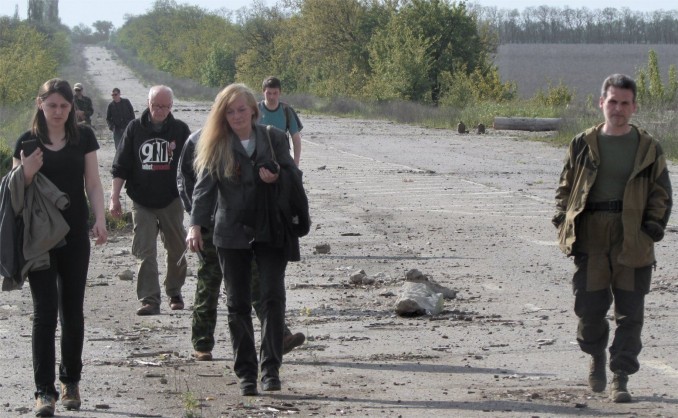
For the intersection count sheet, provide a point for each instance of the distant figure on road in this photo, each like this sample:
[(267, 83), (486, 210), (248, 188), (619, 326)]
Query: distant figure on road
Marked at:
[(235, 160), (613, 203), (63, 155), (281, 115), (119, 113), (83, 105), (146, 162)]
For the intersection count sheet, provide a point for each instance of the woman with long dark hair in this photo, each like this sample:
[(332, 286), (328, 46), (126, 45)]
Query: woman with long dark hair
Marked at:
[(66, 156)]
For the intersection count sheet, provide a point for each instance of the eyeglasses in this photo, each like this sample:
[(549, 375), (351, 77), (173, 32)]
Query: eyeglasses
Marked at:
[(160, 107), (115, 94)]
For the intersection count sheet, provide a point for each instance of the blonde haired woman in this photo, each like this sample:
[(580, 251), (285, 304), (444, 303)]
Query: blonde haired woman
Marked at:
[(238, 173)]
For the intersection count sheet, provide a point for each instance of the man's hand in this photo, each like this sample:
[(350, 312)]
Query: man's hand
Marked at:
[(558, 219), (114, 207), (654, 230)]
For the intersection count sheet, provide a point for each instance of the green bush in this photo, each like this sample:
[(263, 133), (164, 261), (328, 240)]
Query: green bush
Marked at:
[(5, 160), (652, 92), (555, 96), (460, 89)]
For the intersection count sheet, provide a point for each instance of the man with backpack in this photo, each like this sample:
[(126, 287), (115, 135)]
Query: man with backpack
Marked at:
[(280, 114)]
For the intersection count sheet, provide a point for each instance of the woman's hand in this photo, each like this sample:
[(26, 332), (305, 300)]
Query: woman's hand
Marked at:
[(31, 164), (267, 176), (194, 238), (99, 232)]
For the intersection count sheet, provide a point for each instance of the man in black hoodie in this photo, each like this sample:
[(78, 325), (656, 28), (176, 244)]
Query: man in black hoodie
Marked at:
[(146, 162)]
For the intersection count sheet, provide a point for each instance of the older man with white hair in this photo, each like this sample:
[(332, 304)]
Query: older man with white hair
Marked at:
[(146, 162)]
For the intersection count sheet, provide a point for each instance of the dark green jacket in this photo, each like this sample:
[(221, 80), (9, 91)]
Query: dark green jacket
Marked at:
[(647, 196), (85, 104)]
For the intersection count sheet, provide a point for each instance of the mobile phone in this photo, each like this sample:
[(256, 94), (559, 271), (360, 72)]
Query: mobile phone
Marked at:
[(270, 166), (28, 146)]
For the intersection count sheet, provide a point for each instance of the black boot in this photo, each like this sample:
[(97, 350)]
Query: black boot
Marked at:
[(618, 391), (597, 372)]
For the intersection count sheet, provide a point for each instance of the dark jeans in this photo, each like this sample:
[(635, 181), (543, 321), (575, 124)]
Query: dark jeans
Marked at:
[(206, 301), (59, 290), (237, 268), (256, 300), (117, 136)]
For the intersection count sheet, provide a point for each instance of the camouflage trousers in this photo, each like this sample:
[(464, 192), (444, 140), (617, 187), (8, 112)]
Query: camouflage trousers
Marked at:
[(206, 301), (207, 291)]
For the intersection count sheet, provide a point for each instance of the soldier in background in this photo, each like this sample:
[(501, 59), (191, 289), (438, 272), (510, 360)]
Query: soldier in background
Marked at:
[(83, 105)]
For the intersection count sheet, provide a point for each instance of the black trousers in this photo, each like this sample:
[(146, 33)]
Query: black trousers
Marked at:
[(59, 292), (236, 265)]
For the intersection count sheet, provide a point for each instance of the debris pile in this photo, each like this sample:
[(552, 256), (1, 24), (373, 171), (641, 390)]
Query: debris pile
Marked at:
[(420, 295)]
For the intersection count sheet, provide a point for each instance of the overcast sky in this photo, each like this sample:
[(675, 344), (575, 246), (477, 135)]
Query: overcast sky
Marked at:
[(74, 12)]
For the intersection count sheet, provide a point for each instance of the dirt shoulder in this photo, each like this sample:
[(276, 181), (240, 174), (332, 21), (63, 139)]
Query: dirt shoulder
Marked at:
[(470, 211)]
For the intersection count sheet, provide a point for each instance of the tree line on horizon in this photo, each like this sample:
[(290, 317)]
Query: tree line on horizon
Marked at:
[(556, 24), (426, 51)]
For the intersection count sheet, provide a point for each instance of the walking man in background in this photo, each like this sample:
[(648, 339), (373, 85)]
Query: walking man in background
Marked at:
[(119, 113), (146, 162), (613, 203), (83, 105), (281, 115)]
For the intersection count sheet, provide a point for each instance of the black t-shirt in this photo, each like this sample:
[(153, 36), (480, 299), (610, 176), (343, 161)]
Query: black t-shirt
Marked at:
[(66, 169)]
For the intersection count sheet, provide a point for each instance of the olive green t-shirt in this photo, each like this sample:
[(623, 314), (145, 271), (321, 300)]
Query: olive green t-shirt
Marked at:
[(617, 156)]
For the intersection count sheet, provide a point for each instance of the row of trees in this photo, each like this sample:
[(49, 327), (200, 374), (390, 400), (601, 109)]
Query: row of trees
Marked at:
[(554, 24), (417, 50)]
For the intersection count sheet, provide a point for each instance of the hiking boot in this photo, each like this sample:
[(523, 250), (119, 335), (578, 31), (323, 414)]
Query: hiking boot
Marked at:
[(70, 396), (148, 308), (203, 355), (44, 405), (248, 388), (292, 341), (597, 372), (618, 391), (176, 303), (270, 384)]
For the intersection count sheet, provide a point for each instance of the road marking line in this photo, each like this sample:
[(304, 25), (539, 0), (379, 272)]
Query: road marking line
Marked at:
[(662, 367)]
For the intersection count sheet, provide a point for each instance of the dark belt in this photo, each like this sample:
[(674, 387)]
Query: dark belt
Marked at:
[(611, 206)]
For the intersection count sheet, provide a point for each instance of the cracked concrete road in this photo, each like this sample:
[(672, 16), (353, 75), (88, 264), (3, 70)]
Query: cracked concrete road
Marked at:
[(471, 211)]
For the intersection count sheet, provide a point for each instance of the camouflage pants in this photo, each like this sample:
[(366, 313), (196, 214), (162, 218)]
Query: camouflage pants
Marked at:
[(206, 300), (599, 280)]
